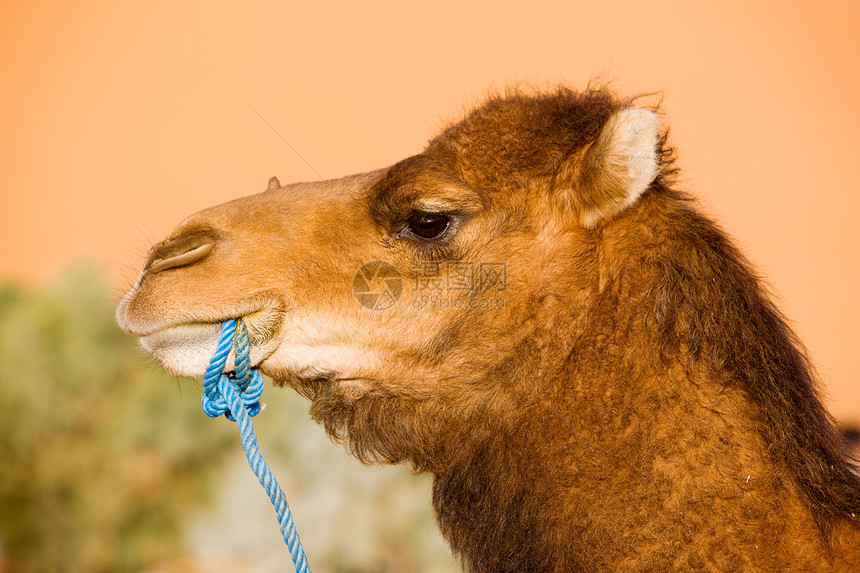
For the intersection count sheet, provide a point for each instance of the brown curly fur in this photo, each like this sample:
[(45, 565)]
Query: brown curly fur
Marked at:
[(638, 404)]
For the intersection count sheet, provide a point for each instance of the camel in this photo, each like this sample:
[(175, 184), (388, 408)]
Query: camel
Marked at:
[(534, 312)]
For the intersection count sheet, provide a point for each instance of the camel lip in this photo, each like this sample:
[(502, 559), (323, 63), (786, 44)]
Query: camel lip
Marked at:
[(263, 315), (177, 334), (185, 349), (262, 324)]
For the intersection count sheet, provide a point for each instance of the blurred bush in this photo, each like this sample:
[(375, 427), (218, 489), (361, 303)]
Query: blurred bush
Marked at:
[(100, 460), (109, 465)]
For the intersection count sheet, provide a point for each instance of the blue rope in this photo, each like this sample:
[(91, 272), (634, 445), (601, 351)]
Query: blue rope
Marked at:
[(237, 394)]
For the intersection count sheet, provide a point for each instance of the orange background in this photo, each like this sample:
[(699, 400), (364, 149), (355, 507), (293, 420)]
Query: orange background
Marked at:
[(119, 119)]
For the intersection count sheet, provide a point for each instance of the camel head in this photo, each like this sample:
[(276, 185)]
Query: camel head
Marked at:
[(530, 311), (410, 289)]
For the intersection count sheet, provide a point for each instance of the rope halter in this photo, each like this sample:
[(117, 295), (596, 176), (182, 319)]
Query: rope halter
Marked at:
[(236, 394)]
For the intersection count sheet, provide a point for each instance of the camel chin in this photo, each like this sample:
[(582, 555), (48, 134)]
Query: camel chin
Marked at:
[(186, 350)]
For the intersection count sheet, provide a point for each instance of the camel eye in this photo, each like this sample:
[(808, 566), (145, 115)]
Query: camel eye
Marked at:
[(428, 225)]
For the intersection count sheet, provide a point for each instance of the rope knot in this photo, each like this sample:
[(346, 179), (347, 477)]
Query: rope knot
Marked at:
[(246, 381)]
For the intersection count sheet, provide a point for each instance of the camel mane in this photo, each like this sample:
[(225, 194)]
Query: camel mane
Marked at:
[(746, 336)]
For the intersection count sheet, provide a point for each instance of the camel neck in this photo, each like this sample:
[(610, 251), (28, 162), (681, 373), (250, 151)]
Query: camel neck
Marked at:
[(638, 470)]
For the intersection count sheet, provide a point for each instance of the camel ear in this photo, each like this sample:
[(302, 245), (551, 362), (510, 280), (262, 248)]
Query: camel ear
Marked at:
[(614, 170)]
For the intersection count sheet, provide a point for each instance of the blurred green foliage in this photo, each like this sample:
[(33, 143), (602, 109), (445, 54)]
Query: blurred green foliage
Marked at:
[(107, 464), (98, 463)]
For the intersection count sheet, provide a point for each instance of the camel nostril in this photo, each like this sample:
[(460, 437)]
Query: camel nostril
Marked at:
[(180, 252)]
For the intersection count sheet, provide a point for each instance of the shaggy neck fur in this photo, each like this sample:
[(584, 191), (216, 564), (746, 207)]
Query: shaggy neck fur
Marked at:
[(704, 446)]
